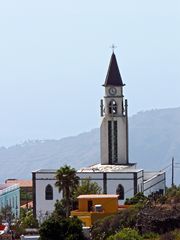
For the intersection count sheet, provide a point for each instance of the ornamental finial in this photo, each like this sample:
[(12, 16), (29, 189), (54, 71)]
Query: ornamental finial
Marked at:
[(113, 47)]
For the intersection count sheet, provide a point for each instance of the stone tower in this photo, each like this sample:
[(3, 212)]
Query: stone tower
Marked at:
[(114, 126)]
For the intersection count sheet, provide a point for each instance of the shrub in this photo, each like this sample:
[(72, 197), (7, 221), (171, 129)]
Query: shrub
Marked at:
[(126, 234), (138, 198), (61, 228), (176, 234), (151, 236), (167, 236), (28, 221), (113, 224), (173, 194)]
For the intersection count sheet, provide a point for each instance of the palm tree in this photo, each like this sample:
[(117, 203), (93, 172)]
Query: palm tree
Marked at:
[(67, 182)]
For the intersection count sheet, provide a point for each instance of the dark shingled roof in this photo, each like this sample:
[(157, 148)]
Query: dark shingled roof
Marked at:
[(113, 77)]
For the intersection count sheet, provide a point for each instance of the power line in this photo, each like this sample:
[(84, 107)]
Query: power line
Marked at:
[(165, 167)]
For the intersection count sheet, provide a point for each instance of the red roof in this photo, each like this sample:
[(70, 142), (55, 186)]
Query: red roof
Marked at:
[(2, 227), (21, 182)]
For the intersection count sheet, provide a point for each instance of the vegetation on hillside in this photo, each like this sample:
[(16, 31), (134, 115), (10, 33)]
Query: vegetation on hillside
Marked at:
[(156, 217)]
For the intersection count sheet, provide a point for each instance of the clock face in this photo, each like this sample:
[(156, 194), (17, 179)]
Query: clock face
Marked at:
[(112, 91)]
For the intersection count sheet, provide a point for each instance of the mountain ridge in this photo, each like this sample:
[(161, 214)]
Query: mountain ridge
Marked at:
[(154, 138)]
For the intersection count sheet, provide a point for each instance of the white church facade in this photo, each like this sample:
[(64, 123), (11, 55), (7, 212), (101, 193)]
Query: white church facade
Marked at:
[(115, 174)]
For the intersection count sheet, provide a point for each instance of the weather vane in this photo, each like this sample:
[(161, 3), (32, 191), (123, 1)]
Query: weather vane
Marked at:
[(113, 47)]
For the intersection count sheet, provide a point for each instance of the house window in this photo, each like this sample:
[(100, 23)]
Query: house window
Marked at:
[(49, 192), (90, 206), (120, 192)]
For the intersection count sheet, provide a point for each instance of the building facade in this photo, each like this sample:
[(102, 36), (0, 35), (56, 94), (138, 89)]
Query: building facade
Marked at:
[(25, 190), (10, 196), (92, 207), (115, 174)]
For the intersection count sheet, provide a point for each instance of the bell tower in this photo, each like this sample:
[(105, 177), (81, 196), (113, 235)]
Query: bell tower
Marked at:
[(114, 113)]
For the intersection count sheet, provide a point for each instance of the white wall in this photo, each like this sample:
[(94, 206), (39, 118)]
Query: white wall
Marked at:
[(44, 206), (95, 177), (126, 179), (155, 183), (122, 148)]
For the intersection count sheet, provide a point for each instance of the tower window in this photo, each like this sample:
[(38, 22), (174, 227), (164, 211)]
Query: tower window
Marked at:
[(49, 192), (115, 142), (112, 142), (112, 107), (120, 192)]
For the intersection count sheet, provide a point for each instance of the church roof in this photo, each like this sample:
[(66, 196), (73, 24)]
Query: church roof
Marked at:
[(109, 168), (113, 77)]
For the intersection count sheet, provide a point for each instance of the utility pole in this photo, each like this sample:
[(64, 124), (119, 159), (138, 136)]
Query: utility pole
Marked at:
[(172, 172)]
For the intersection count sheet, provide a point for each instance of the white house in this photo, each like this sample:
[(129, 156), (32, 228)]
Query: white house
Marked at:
[(115, 174)]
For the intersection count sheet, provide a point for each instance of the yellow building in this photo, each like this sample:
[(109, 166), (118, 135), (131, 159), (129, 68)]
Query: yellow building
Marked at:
[(92, 207)]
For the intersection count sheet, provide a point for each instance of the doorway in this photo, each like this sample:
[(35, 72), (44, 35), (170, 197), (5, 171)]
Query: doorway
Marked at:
[(90, 205)]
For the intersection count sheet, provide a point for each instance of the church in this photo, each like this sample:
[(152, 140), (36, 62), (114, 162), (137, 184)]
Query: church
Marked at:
[(115, 174)]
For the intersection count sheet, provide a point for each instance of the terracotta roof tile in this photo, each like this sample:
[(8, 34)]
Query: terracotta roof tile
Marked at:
[(21, 182)]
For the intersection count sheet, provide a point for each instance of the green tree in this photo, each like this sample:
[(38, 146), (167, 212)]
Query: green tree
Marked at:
[(126, 234), (28, 220), (173, 194), (87, 187), (7, 214), (55, 228), (138, 198), (59, 209), (23, 212), (67, 182), (18, 229), (25, 196)]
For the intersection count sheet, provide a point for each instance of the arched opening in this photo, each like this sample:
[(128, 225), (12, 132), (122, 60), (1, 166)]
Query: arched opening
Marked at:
[(120, 192), (112, 107), (49, 192)]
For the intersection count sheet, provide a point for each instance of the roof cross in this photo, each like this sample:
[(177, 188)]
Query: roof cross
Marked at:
[(113, 47)]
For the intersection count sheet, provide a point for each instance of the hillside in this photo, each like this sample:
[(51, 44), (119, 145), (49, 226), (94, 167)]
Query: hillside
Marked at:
[(154, 137)]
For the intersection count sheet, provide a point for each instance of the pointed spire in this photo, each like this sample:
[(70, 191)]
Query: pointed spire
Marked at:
[(113, 77)]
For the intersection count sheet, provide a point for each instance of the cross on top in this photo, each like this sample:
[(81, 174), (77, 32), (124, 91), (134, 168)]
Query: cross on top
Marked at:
[(113, 47)]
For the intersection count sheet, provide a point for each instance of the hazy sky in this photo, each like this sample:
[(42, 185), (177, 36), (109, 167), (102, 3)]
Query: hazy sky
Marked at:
[(54, 57)]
